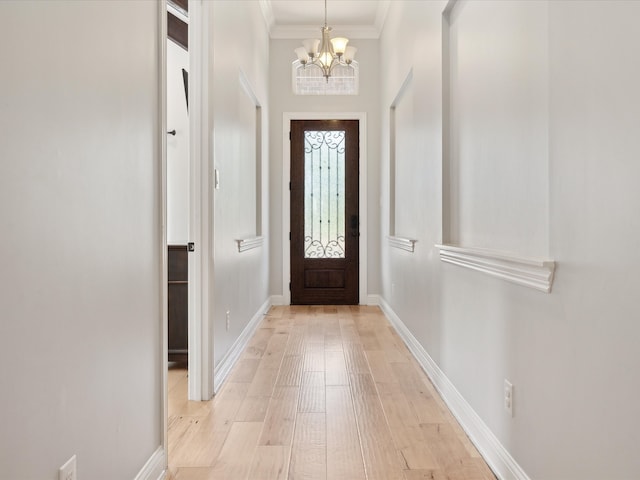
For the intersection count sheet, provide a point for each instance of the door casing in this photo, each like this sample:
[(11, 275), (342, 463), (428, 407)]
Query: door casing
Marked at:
[(200, 207), (286, 201)]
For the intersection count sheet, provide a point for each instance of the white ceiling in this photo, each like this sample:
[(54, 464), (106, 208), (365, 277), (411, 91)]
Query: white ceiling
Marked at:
[(303, 18)]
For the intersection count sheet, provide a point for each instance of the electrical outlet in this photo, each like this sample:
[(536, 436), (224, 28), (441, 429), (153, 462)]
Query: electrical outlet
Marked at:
[(68, 470), (508, 397), (228, 319)]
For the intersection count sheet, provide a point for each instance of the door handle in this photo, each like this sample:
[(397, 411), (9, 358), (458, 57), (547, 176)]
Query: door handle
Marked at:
[(354, 226)]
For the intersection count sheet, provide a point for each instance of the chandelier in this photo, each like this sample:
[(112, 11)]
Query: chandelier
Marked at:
[(326, 53)]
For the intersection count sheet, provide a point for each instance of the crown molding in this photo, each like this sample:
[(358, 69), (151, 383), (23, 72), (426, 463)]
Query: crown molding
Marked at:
[(282, 32), (381, 15), (298, 32), (267, 14)]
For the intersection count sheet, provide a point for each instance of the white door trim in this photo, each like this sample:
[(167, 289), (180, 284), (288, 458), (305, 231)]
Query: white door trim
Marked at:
[(164, 295), (200, 206), (286, 200)]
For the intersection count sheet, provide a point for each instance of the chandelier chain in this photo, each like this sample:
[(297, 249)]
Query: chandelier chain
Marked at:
[(325, 13)]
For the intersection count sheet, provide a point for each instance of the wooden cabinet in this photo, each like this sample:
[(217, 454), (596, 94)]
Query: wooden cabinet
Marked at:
[(178, 303)]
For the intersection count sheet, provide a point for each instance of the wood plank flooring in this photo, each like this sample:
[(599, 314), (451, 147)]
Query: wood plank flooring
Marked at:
[(327, 393)]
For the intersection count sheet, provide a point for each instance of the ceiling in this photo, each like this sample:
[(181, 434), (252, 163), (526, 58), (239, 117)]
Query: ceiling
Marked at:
[(303, 18)]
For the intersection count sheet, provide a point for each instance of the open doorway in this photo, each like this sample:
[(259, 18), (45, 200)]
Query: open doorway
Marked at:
[(178, 200), (177, 183), (188, 362)]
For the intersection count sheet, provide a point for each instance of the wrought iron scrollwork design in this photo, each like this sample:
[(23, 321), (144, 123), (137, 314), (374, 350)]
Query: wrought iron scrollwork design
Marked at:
[(315, 248), (324, 194), (332, 139)]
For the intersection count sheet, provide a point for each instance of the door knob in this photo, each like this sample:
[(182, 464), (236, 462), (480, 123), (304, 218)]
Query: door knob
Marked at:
[(354, 226)]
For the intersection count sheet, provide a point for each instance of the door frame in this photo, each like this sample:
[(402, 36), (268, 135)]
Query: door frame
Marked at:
[(164, 291), (200, 368), (200, 207), (286, 198)]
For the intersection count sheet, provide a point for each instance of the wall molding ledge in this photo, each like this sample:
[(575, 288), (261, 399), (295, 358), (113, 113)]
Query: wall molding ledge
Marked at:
[(529, 272), (155, 467), (495, 454), (245, 244), (223, 369), (402, 243)]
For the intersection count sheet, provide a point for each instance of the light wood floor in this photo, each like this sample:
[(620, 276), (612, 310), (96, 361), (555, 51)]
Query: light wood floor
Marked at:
[(320, 393)]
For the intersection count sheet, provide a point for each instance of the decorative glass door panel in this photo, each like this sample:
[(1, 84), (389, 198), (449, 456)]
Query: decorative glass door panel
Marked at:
[(324, 212), (324, 219)]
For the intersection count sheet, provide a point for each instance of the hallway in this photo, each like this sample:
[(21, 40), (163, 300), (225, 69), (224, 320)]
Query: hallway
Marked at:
[(320, 393)]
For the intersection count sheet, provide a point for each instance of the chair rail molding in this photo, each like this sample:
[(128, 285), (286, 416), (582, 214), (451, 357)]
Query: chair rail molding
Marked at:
[(402, 243), (529, 272), (249, 243)]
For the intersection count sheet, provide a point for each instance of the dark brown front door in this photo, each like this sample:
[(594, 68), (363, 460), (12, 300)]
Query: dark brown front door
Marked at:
[(324, 212)]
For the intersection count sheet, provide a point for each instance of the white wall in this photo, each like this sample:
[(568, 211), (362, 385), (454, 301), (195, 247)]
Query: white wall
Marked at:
[(499, 126), (594, 224), (177, 147), (240, 47), (570, 354), (283, 100), (80, 215)]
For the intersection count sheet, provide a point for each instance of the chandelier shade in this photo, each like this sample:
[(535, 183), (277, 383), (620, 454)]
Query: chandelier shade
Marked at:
[(349, 53), (339, 45), (325, 53)]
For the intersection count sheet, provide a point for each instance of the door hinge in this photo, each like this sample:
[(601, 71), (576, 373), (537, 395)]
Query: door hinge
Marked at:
[(289, 186), (289, 286), (191, 247), (289, 235), (289, 135)]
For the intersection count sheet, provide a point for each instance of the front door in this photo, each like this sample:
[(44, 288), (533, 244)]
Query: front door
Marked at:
[(324, 212)]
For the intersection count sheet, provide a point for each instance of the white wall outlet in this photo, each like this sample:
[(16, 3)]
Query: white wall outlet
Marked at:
[(508, 397), (228, 319), (68, 470)]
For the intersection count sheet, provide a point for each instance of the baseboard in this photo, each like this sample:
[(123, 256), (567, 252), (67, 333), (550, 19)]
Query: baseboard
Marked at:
[(222, 370), (494, 453), (155, 467), (278, 300), (373, 299)]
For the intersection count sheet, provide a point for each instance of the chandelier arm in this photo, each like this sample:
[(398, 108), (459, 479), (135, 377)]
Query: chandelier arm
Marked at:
[(326, 58), (327, 70)]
